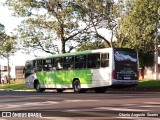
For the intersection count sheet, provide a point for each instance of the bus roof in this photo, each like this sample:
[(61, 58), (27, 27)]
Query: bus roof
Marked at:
[(64, 54), (80, 53), (124, 49)]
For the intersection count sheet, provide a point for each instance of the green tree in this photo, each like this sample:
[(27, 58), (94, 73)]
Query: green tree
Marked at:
[(98, 14), (7, 47), (7, 43), (91, 45), (2, 33), (138, 26), (47, 24)]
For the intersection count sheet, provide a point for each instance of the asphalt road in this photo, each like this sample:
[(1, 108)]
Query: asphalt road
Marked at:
[(70, 106)]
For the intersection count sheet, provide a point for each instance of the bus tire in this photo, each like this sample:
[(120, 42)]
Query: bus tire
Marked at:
[(76, 86), (100, 90), (37, 87)]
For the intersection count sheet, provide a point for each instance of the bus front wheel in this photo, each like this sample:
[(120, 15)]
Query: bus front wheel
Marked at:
[(37, 87), (76, 86)]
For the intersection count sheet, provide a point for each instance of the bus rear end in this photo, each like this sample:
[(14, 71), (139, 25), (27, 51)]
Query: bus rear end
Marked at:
[(125, 67)]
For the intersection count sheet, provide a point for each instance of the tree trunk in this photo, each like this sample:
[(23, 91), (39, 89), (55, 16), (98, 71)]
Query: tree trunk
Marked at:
[(8, 69), (63, 41), (112, 39), (121, 40), (0, 75), (142, 72), (63, 46)]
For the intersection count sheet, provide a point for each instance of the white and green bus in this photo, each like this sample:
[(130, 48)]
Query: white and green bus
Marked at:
[(80, 71)]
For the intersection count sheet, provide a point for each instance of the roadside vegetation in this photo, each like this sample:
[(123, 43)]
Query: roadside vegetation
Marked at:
[(14, 85), (146, 86), (144, 83)]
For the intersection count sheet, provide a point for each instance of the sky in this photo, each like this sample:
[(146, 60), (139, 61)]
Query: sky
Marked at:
[(10, 23)]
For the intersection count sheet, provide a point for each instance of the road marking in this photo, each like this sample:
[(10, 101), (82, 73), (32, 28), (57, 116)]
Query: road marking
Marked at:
[(28, 104), (150, 106), (41, 103), (12, 106), (118, 109), (128, 104), (80, 100), (155, 103), (72, 110)]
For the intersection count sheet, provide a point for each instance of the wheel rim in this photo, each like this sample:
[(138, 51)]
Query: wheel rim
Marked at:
[(37, 87), (77, 86)]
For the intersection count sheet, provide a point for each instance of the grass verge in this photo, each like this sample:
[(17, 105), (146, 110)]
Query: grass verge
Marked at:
[(146, 86), (14, 87), (143, 83)]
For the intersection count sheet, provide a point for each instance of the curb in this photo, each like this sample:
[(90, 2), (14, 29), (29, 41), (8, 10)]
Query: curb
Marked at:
[(108, 92), (15, 90)]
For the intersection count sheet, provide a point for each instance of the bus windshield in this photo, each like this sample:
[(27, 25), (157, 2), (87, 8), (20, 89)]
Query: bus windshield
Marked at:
[(126, 64)]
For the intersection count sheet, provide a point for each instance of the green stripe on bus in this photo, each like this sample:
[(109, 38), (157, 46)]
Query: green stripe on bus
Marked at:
[(65, 54), (64, 77)]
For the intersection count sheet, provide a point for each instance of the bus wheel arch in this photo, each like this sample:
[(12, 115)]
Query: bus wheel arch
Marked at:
[(37, 86), (76, 85)]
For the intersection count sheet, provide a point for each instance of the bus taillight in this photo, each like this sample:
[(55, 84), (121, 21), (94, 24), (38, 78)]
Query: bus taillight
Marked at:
[(114, 74)]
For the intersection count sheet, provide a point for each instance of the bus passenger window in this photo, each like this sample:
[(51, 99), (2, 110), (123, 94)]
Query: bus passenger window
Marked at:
[(39, 65), (80, 61), (53, 65), (58, 64), (104, 59), (47, 65), (68, 63), (93, 61)]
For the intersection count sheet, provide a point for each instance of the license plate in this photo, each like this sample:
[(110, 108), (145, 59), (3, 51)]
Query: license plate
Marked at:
[(127, 78)]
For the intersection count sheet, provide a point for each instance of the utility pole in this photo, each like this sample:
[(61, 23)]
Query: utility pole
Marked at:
[(156, 59), (0, 75), (8, 69)]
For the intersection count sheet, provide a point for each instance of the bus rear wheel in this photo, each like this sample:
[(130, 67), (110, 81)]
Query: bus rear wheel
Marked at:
[(76, 86), (37, 87)]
